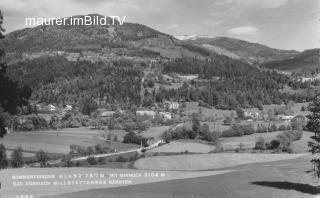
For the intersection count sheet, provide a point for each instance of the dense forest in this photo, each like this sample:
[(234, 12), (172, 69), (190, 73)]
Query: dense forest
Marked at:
[(239, 84), (59, 81), (306, 63)]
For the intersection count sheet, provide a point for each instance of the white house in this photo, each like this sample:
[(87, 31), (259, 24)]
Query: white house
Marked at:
[(147, 113), (286, 118), (107, 113), (51, 107), (166, 115), (251, 115), (172, 105), (68, 108)]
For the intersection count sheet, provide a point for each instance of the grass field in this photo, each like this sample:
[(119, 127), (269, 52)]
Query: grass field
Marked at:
[(112, 177), (177, 147), (155, 132), (207, 161), (280, 179), (59, 142), (52, 141), (231, 143)]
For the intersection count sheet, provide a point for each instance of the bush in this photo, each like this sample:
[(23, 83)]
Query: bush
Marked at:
[(285, 139), (285, 142), (212, 136), (274, 144), (166, 136), (133, 138), (260, 144), (238, 130), (261, 129), (273, 127), (227, 120), (92, 160), (115, 138), (120, 158), (282, 128), (42, 158)]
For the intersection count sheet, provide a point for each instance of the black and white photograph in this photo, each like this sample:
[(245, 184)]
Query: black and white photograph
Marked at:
[(160, 99)]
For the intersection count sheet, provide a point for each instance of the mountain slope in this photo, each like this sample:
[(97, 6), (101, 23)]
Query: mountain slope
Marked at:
[(129, 39), (308, 62), (235, 48)]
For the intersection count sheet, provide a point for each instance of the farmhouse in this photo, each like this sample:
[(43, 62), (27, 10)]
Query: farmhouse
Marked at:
[(251, 115), (51, 107), (68, 108), (188, 77), (166, 115), (171, 105), (286, 118), (106, 113), (147, 113)]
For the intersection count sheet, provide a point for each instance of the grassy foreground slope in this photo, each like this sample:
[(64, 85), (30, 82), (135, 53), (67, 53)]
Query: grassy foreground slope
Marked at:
[(207, 161), (80, 179), (280, 179)]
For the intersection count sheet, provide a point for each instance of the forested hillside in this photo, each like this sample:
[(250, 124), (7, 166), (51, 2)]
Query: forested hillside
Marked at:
[(308, 63), (239, 84), (56, 80), (250, 52)]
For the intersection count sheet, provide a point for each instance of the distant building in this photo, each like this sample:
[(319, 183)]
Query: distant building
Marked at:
[(51, 107), (147, 113), (171, 105), (188, 77), (286, 118), (166, 115), (107, 113), (68, 108), (251, 115)]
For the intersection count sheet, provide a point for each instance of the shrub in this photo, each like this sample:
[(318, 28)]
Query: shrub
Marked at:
[(282, 128), (274, 144), (268, 145), (17, 158), (238, 130), (260, 144), (273, 127), (133, 138), (92, 160), (115, 138), (120, 158), (285, 142), (166, 136), (212, 136), (42, 158), (262, 129), (227, 120)]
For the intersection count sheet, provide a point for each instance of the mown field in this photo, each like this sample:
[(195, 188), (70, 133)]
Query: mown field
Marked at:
[(112, 177), (52, 141), (279, 179), (58, 142), (194, 162), (179, 147)]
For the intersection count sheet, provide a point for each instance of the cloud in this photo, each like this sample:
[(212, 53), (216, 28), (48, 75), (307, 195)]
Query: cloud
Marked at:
[(172, 26), (208, 22), (243, 30), (265, 3)]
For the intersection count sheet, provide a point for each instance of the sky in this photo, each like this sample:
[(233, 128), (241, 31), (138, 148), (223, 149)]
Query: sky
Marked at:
[(283, 24)]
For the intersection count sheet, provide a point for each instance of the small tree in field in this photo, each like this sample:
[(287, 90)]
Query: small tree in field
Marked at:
[(314, 126), (42, 158), (17, 157), (3, 157)]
